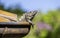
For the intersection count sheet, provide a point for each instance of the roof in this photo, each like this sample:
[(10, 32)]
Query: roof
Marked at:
[(8, 15)]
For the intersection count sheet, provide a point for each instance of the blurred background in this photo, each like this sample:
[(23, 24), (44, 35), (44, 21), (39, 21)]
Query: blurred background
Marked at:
[(47, 20)]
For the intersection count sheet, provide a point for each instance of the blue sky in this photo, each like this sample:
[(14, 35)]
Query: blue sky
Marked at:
[(43, 5)]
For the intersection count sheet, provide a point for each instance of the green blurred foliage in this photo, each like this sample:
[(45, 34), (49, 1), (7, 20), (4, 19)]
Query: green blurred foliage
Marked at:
[(52, 18), (17, 10), (2, 6)]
